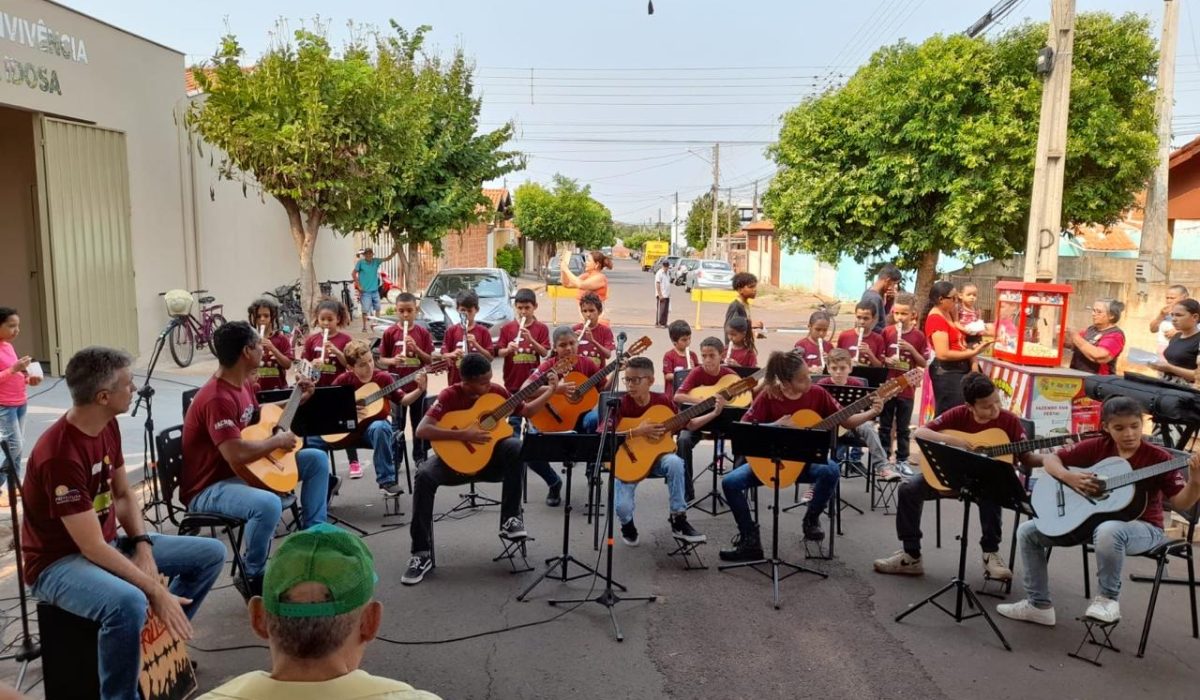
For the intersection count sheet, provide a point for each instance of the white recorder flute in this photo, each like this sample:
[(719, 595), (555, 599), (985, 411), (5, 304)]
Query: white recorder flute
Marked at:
[(404, 339), (687, 353), (586, 323), (464, 340), (821, 352), (858, 345), (324, 342)]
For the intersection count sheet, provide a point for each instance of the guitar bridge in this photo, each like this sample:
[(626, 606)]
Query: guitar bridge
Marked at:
[(1061, 499)]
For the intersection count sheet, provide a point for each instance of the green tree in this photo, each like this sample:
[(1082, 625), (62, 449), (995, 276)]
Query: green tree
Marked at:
[(437, 160), (699, 221), (304, 124), (929, 149), (565, 214)]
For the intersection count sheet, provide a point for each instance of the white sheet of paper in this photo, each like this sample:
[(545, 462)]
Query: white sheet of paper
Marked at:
[(1140, 357), (35, 370)]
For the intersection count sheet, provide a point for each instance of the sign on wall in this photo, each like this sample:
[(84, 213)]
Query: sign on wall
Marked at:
[(36, 34)]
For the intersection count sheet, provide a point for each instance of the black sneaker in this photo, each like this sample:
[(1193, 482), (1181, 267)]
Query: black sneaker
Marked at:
[(629, 534), (745, 548), (682, 529), (513, 529), (812, 529), (391, 488), (554, 497), (418, 566), (248, 586)]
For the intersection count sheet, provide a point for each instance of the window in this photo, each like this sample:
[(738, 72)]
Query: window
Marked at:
[(486, 285)]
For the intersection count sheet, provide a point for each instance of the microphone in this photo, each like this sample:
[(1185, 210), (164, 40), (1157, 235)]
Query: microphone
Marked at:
[(621, 337)]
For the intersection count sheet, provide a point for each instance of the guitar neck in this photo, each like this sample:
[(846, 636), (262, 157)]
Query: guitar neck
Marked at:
[(1030, 445), (290, 409), (681, 419), (598, 377), (402, 381), (833, 420), (525, 393), (1137, 475)]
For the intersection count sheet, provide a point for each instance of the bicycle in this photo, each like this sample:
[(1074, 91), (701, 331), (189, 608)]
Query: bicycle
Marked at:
[(187, 331), (292, 319), (347, 298)]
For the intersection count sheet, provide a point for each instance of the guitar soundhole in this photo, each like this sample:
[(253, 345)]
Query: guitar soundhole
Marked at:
[(487, 423)]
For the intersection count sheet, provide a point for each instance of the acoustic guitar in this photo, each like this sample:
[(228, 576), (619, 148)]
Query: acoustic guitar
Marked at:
[(740, 399), (562, 411), (371, 404), (637, 455), (276, 471), (994, 443), (490, 412), (1068, 518), (764, 468)]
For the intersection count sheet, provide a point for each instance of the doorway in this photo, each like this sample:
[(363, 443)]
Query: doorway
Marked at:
[(19, 238)]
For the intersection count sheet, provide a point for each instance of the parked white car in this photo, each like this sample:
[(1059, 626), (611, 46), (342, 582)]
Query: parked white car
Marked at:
[(709, 274)]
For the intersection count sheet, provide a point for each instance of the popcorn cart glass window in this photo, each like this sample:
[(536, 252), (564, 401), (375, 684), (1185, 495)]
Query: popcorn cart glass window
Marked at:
[(1031, 322)]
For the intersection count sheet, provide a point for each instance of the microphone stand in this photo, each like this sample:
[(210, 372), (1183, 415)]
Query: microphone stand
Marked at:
[(150, 465), (608, 431), (26, 649)]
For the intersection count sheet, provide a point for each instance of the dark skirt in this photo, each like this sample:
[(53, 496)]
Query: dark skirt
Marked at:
[(946, 378)]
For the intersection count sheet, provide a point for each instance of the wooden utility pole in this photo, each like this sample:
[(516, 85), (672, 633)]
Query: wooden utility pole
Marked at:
[(754, 215), (1157, 239), (1045, 210), (715, 199)]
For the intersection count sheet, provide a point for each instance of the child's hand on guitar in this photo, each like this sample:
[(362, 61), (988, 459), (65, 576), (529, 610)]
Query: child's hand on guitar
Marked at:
[(307, 387), (652, 431), (719, 403), (876, 404), (1084, 482), (563, 387), (476, 435), (1194, 467), (423, 382)]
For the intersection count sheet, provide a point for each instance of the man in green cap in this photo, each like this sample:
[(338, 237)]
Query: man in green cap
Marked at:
[(318, 613)]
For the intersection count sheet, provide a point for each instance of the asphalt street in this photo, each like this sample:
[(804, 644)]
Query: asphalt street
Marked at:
[(709, 634)]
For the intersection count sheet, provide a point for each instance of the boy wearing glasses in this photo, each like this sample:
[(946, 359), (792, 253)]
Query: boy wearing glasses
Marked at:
[(639, 375)]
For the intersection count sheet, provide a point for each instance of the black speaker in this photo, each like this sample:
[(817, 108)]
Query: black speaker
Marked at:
[(69, 654)]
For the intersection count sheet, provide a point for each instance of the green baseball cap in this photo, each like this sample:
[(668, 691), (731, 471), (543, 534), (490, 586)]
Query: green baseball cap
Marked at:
[(326, 555)]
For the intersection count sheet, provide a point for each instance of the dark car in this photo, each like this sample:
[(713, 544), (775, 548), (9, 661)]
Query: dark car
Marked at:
[(550, 273), (493, 286)]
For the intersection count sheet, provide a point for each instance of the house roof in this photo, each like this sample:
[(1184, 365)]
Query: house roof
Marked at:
[(499, 196), (1106, 239), (1185, 153), (191, 87), (760, 225)]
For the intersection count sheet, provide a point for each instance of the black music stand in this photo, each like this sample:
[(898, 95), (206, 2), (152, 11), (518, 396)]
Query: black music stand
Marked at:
[(778, 444), (569, 448), (713, 502), (873, 375), (976, 478)]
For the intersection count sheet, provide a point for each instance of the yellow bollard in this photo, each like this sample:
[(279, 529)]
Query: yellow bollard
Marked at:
[(556, 292), (716, 296)]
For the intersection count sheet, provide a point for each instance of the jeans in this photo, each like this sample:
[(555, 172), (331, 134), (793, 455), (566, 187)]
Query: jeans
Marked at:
[(866, 435), (910, 502), (370, 302), (12, 432), (541, 468), (1113, 539), (685, 444), (669, 466), (590, 421), (261, 508), (377, 436), (823, 477), (80, 587), (897, 412), (411, 416), (504, 466)]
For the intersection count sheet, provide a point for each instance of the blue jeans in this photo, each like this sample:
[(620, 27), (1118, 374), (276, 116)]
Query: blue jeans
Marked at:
[(543, 468), (823, 477), (370, 302), (261, 508), (379, 437), (669, 466), (12, 432), (1113, 539), (80, 587), (591, 420)]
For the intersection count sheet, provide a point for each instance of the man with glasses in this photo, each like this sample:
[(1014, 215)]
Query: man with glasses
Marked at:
[(639, 375)]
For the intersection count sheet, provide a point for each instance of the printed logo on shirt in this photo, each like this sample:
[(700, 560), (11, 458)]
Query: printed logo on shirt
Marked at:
[(525, 358), (247, 415), (407, 361), (268, 372), (223, 424), (66, 494)]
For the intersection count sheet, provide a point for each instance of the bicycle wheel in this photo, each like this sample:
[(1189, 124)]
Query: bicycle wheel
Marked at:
[(183, 345), (215, 322), (348, 302)]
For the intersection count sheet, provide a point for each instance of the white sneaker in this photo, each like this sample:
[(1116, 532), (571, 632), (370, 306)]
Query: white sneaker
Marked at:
[(904, 468), (1025, 611), (1103, 609)]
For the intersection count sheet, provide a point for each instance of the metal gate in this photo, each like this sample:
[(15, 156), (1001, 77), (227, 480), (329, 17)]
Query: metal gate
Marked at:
[(86, 240)]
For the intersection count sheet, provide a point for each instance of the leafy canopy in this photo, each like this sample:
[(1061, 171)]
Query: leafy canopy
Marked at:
[(699, 221), (565, 214), (930, 148)]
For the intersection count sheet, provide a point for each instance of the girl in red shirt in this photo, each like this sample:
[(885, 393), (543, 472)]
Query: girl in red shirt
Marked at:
[(327, 354), (278, 352), (951, 356), (815, 348), (740, 352)]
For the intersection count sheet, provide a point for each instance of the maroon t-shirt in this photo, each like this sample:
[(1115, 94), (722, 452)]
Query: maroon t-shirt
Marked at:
[(603, 335), (393, 345), (765, 409), (270, 375), (672, 361), (850, 381), (700, 377), (519, 365), (455, 398), (218, 413), (332, 366), (913, 337), (632, 409), (382, 379), (1088, 452), (68, 472), (743, 357), (961, 419), (453, 340), (848, 340), (812, 354)]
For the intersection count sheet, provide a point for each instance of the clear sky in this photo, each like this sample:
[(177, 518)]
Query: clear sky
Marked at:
[(605, 93)]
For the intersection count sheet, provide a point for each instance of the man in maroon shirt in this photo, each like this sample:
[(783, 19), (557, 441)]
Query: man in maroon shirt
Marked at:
[(639, 375), (75, 493), (708, 373), (981, 411), (504, 466), (871, 349), (1121, 419), (406, 348), (213, 444)]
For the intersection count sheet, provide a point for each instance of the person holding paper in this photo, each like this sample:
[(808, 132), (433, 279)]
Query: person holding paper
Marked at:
[(16, 373), (1179, 357)]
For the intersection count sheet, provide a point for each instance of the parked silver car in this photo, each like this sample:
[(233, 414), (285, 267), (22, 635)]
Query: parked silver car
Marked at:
[(494, 287), (709, 274), (680, 269), (551, 273)]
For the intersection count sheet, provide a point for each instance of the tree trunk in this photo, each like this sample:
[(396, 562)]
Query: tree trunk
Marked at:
[(926, 276), (309, 292), (408, 256)]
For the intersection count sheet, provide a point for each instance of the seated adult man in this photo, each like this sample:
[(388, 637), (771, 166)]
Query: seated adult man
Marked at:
[(639, 376), (708, 373), (505, 464), (75, 493), (981, 411), (1121, 419), (213, 447), (318, 613)]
